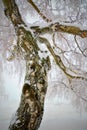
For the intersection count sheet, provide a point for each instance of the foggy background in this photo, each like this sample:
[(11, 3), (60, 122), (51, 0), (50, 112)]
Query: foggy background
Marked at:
[(59, 113), (64, 110)]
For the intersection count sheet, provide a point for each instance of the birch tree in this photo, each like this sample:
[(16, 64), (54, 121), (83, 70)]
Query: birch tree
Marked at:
[(29, 42)]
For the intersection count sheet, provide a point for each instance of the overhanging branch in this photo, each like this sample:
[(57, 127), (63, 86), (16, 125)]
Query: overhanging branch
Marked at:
[(59, 61), (57, 27)]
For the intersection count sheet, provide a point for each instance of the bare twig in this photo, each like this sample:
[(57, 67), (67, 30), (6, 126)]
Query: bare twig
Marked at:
[(75, 92), (79, 46), (62, 51)]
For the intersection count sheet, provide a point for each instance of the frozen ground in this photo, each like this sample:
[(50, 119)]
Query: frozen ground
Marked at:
[(56, 117)]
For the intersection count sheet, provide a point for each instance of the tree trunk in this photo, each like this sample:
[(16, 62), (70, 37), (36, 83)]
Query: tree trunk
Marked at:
[(31, 108), (29, 114)]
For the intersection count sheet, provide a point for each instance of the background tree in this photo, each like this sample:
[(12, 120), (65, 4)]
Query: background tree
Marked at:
[(59, 40)]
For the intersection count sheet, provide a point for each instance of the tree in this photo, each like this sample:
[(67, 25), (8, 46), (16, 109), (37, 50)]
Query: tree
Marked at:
[(28, 47)]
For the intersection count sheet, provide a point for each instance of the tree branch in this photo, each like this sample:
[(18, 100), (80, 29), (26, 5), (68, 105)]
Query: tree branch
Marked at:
[(59, 61), (39, 12), (75, 92), (82, 51), (12, 12), (57, 27)]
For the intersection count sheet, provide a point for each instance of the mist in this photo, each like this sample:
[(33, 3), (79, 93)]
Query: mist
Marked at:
[(59, 112)]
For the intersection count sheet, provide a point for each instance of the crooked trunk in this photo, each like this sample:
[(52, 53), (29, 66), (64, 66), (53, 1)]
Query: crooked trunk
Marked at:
[(30, 111), (31, 108)]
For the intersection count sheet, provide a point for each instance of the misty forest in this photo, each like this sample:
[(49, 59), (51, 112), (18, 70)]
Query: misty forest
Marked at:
[(43, 44)]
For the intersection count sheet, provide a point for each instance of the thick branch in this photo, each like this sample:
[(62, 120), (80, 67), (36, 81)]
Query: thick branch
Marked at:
[(57, 27), (12, 12)]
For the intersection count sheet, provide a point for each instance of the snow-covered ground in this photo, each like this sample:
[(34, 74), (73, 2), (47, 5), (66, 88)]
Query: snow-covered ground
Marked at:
[(56, 116)]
